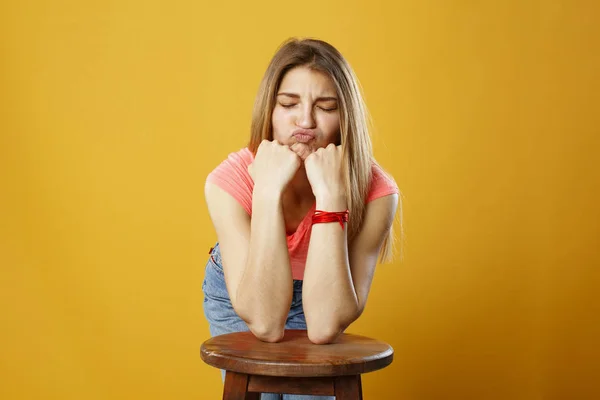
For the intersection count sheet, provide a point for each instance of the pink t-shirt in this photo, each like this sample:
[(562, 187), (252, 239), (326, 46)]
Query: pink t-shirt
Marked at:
[(233, 177)]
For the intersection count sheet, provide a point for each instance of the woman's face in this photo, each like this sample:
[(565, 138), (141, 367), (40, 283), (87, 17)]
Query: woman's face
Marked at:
[(306, 114)]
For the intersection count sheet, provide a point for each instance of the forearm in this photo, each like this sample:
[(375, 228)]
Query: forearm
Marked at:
[(329, 298), (264, 294)]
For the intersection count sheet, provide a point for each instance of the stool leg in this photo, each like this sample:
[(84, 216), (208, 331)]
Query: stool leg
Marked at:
[(236, 387), (348, 387)]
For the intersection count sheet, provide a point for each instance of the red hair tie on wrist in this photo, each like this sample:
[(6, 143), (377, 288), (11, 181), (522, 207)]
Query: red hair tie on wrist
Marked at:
[(327, 216)]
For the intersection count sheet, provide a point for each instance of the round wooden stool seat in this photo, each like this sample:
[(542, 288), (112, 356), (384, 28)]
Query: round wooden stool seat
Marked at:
[(295, 365)]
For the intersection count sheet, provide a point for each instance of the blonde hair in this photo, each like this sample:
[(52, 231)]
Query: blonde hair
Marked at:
[(356, 144)]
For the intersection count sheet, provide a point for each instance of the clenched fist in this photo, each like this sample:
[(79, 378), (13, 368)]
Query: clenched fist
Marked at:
[(324, 171), (274, 165)]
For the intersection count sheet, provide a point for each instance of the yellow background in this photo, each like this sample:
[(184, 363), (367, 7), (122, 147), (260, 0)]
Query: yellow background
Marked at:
[(113, 113)]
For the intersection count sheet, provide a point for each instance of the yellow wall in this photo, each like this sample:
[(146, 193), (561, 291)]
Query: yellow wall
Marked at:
[(487, 114)]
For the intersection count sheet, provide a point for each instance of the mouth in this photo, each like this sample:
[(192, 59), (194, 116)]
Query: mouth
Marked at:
[(303, 135)]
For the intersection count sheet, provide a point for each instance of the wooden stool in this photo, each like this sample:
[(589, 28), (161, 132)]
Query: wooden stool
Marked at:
[(294, 365)]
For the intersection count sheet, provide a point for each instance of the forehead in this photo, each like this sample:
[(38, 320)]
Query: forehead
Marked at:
[(303, 79)]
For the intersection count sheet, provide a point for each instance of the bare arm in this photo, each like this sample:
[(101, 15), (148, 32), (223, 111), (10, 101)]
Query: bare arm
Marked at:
[(338, 276), (256, 262), (255, 258)]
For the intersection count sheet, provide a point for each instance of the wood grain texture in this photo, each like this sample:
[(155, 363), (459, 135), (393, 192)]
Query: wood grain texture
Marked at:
[(296, 355), (320, 386), (236, 386), (348, 388)]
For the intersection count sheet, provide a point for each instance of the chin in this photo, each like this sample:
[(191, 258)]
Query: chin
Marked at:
[(303, 149)]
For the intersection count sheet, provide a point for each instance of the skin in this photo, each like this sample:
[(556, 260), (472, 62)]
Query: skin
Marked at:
[(290, 175), (306, 99)]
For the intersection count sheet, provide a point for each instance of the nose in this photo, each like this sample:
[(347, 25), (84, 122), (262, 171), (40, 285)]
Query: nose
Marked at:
[(306, 118)]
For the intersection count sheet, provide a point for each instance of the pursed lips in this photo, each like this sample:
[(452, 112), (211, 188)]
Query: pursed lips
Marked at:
[(303, 135)]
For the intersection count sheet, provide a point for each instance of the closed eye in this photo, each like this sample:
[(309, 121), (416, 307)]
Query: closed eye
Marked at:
[(290, 105)]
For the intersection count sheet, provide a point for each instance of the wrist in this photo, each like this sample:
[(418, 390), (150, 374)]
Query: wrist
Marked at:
[(331, 202), (267, 193)]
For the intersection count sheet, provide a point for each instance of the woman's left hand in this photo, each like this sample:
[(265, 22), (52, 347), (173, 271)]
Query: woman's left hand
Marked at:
[(324, 172)]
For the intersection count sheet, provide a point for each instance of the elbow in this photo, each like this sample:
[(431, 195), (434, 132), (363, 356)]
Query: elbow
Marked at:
[(264, 328), (329, 329), (267, 332), (323, 335)]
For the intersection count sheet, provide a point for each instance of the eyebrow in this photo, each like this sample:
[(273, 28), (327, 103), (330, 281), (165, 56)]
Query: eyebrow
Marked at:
[(294, 95)]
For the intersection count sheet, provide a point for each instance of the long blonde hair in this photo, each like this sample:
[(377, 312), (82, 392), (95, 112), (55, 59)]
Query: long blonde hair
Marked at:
[(356, 144)]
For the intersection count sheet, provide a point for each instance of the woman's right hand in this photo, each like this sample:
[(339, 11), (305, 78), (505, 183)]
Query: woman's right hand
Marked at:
[(274, 165)]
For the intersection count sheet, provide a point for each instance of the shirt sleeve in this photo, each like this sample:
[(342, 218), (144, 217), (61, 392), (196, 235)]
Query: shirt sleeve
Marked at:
[(382, 184), (232, 176)]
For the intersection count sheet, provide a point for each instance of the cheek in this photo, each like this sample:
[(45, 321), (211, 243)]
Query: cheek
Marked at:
[(277, 119), (330, 124)]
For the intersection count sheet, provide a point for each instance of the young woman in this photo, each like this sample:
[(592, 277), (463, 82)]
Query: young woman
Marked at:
[(303, 213)]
